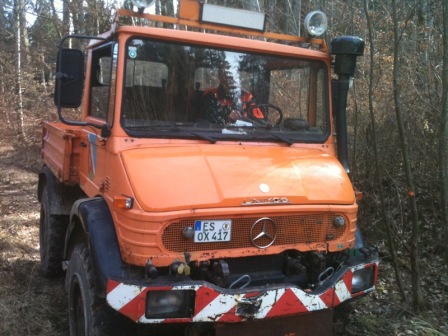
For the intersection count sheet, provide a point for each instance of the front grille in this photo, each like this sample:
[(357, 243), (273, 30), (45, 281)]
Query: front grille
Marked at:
[(297, 229)]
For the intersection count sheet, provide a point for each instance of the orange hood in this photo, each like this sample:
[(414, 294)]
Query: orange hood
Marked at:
[(210, 176)]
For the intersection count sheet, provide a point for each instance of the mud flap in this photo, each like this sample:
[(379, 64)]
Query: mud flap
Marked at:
[(312, 324)]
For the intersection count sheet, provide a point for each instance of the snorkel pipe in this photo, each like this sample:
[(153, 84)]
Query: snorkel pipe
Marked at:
[(345, 49)]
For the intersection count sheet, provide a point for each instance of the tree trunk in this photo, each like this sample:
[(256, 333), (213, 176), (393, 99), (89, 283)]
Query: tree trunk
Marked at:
[(294, 23), (417, 295), (66, 18), (376, 163), (77, 11), (54, 15), (3, 95), (443, 138), (19, 7), (252, 5)]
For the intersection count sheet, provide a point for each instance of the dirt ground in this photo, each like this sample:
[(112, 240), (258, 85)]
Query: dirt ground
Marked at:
[(33, 305), (29, 303)]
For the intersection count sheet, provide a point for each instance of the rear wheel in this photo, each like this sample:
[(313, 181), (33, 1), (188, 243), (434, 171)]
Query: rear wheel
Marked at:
[(51, 237)]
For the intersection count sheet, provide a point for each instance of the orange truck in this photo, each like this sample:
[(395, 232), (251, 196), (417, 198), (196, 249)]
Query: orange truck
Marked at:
[(179, 198)]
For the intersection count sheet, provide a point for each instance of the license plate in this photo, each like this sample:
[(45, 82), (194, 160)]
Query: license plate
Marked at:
[(206, 231)]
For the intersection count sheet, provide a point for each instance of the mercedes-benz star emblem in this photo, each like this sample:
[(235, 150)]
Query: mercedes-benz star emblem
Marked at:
[(263, 233)]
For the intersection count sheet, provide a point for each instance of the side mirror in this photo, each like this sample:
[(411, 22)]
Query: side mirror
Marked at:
[(69, 78)]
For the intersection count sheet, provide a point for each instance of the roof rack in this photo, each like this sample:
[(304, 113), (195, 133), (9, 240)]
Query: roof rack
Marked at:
[(189, 16)]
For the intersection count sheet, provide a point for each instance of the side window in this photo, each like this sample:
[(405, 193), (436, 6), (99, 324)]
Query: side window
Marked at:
[(308, 102), (100, 81)]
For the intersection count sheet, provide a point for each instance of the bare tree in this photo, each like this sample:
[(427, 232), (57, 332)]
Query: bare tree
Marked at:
[(19, 10), (392, 248), (253, 5), (443, 138), (414, 255), (65, 17)]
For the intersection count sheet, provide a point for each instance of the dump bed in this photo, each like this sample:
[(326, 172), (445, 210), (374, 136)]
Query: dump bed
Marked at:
[(61, 151)]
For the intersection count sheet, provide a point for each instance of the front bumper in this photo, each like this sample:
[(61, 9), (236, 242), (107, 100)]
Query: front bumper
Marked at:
[(216, 304)]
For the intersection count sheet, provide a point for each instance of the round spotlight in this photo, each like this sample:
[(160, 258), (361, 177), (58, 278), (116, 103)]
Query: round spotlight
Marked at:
[(316, 23), (142, 3)]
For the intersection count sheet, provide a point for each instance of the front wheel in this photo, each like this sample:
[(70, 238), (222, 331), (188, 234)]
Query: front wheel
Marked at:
[(80, 286), (88, 314)]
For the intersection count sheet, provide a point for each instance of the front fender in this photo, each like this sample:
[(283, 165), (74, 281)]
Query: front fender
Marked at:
[(91, 221)]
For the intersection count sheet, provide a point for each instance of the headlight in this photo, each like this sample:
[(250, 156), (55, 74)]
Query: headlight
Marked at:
[(339, 221), (363, 279), (316, 23), (170, 304)]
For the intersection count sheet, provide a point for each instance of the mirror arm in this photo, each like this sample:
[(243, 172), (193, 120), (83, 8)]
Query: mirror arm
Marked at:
[(60, 75)]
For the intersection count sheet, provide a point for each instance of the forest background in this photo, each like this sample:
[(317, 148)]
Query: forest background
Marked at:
[(398, 133)]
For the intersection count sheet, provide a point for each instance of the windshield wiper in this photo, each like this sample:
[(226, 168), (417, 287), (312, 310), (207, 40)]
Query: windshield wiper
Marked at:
[(170, 128), (281, 138), (266, 131), (262, 130), (196, 134)]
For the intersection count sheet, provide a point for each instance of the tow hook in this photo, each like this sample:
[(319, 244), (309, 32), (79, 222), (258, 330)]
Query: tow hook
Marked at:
[(248, 307)]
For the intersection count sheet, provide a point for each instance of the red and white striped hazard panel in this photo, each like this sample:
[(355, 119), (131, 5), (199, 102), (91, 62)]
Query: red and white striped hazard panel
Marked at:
[(214, 306)]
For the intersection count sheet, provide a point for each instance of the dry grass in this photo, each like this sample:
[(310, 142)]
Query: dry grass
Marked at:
[(29, 303)]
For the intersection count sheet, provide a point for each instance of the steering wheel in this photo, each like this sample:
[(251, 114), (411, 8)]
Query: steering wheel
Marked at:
[(266, 113)]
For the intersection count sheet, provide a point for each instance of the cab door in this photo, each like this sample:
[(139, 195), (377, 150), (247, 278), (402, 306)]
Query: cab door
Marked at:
[(99, 111)]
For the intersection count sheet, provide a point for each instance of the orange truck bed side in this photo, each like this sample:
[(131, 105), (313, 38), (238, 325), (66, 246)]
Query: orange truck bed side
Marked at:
[(59, 151)]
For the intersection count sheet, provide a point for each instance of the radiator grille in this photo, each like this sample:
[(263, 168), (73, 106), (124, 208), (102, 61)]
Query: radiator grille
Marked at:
[(297, 229)]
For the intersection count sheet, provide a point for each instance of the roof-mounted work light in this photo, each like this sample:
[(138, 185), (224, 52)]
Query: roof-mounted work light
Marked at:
[(142, 4), (316, 23), (233, 17)]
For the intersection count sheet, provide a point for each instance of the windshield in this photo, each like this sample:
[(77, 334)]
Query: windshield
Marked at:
[(185, 91)]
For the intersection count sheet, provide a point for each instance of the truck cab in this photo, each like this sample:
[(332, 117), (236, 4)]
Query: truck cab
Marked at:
[(203, 183)]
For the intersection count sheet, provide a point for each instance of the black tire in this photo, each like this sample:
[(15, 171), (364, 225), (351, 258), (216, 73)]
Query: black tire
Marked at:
[(83, 313), (51, 237), (88, 314)]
